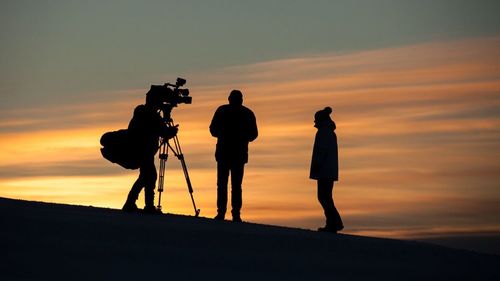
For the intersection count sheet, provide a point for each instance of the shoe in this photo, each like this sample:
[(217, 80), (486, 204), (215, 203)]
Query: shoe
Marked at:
[(130, 207), (328, 228), (237, 219), (151, 210), (219, 217)]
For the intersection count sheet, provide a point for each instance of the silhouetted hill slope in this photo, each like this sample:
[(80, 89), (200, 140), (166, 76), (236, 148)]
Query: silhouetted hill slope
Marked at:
[(42, 241)]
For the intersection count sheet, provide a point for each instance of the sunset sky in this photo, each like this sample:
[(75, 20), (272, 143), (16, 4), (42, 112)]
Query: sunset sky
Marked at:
[(415, 88)]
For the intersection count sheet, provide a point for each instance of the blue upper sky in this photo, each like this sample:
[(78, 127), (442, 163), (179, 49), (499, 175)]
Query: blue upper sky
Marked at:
[(52, 50)]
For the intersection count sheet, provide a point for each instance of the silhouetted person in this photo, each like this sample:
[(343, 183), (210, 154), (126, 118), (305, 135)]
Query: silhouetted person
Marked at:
[(325, 167), (234, 126), (145, 128)]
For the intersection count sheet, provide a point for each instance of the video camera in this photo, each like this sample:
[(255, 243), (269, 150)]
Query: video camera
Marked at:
[(171, 94)]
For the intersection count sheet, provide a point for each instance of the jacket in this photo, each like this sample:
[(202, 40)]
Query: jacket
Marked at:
[(324, 162), (234, 127)]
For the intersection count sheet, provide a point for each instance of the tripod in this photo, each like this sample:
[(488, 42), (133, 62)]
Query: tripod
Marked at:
[(177, 151)]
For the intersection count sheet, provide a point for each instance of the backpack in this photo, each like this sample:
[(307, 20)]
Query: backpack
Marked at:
[(118, 147)]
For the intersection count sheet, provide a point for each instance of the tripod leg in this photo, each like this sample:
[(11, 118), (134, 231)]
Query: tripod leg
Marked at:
[(178, 153), (188, 181), (161, 178)]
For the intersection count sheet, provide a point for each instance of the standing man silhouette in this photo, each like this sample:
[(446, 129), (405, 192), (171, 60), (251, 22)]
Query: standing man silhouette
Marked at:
[(234, 126), (325, 167)]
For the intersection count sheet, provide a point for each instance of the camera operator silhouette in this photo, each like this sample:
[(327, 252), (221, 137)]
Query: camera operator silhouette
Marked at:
[(325, 167), (234, 126), (145, 129)]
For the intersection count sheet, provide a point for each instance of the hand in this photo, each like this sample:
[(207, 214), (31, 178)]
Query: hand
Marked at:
[(170, 132)]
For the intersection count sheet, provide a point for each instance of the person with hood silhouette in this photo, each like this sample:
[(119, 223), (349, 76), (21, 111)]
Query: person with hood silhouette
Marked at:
[(234, 126), (325, 168)]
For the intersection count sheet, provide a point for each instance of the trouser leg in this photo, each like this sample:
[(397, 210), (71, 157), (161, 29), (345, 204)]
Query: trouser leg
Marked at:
[(135, 190), (325, 198), (148, 172), (222, 179), (237, 171), (336, 215)]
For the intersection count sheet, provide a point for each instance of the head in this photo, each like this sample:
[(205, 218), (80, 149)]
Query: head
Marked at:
[(235, 98), (322, 118), (154, 97)]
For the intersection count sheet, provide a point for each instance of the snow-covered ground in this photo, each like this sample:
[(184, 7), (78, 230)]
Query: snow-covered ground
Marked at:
[(41, 241)]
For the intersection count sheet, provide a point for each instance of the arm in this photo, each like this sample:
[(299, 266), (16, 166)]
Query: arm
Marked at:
[(320, 150), (168, 132), (253, 132), (215, 124)]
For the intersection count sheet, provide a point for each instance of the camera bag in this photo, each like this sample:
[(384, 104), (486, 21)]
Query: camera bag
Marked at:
[(118, 147)]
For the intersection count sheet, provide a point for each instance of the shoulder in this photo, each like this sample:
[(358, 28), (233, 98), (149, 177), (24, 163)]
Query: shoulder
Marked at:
[(140, 109), (247, 111), (222, 108)]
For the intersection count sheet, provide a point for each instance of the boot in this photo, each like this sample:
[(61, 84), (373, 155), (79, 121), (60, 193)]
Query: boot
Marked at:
[(149, 197), (220, 217), (331, 228), (130, 207), (236, 217), (151, 209), (327, 228)]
